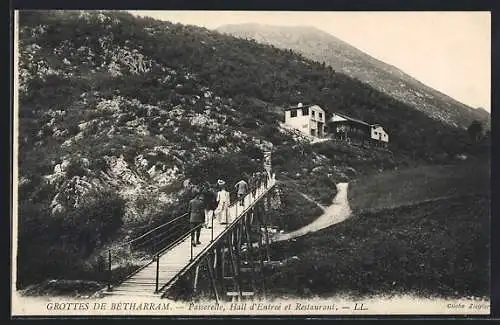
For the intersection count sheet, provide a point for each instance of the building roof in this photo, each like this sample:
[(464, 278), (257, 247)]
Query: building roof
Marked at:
[(352, 119), (357, 121), (299, 107)]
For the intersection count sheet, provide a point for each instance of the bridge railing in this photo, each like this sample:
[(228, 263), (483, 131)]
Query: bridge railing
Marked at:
[(235, 212), (125, 260)]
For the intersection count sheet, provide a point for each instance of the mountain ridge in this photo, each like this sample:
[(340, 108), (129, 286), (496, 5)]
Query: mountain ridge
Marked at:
[(321, 46)]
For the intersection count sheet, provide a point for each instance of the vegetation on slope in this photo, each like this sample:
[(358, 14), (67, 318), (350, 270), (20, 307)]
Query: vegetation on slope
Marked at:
[(130, 107), (424, 248), (411, 186), (436, 248)]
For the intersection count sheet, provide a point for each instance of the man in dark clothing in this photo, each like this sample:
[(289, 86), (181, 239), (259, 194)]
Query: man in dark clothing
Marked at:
[(196, 218), (209, 203), (265, 177), (242, 190), (260, 177), (253, 181)]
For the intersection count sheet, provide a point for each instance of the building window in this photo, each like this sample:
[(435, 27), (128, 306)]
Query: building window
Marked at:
[(305, 111), (320, 115), (376, 133), (293, 113), (313, 113)]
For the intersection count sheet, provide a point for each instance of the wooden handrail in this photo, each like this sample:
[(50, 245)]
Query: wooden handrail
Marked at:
[(156, 254)]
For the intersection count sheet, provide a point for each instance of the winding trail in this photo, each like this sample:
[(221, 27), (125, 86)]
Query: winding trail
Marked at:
[(337, 212)]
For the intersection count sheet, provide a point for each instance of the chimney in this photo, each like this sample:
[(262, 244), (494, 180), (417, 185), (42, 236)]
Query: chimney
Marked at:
[(300, 105)]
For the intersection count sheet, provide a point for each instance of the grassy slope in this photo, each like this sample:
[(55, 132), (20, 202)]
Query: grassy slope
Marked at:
[(436, 248), (295, 211), (403, 187)]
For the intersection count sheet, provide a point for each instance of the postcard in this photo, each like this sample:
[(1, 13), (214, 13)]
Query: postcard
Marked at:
[(184, 163)]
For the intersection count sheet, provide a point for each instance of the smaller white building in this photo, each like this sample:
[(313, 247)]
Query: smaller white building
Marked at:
[(308, 119), (377, 132)]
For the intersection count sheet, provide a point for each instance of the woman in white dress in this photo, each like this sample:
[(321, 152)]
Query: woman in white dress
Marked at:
[(223, 203)]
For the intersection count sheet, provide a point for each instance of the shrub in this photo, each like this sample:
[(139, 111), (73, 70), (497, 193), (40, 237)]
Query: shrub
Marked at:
[(95, 222), (73, 129), (75, 168), (54, 246), (230, 168)]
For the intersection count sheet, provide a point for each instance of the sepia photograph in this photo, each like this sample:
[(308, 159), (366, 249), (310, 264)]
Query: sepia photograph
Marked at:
[(228, 163)]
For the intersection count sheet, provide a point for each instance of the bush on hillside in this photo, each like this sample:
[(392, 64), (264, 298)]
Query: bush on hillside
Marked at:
[(319, 186), (75, 168), (55, 246), (292, 158), (230, 167)]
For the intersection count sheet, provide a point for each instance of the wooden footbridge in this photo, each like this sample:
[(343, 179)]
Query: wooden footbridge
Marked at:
[(232, 255)]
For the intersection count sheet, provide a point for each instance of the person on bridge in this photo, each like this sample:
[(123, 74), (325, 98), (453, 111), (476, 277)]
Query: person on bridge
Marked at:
[(253, 182), (196, 217), (209, 202), (260, 179), (223, 201), (265, 177), (242, 190)]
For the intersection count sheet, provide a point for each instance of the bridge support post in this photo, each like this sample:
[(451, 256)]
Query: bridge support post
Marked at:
[(109, 270), (261, 258), (223, 261), (157, 272), (191, 247), (250, 257), (196, 274), (211, 273), (238, 255), (234, 267), (212, 227), (266, 233)]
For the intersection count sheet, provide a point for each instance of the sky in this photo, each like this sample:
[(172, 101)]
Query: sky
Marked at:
[(449, 51)]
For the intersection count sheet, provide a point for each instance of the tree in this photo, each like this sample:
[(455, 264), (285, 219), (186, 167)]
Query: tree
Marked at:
[(475, 130)]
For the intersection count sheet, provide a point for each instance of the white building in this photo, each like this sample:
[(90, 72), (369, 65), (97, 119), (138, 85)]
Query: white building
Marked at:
[(377, 132), (309, 119)]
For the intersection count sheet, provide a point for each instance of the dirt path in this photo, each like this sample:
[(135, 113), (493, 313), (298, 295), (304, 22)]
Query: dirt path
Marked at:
[(337, 212)]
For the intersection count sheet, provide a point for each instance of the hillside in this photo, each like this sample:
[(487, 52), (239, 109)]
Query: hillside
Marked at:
[(417, 185), (421, 231), (320, 46), (116, 112)]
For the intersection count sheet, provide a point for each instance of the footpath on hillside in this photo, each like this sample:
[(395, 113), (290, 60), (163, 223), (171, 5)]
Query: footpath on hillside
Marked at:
[(337, 212)]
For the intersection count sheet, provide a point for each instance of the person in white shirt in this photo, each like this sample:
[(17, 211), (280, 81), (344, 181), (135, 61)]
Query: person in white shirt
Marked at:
[(223, 203)]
